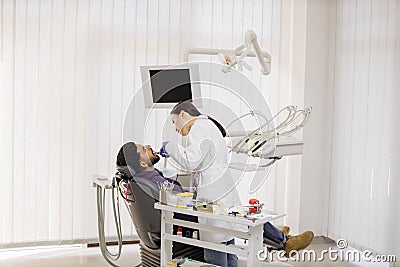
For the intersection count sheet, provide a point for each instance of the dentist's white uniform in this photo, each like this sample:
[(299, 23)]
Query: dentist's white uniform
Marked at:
[(205, 154)]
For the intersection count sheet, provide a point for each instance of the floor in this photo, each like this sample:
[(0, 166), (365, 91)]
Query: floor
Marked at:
[(66, 256), (82, 256)]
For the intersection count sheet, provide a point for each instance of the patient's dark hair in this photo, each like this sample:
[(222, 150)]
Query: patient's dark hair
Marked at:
[(193, 111), (128, 156)]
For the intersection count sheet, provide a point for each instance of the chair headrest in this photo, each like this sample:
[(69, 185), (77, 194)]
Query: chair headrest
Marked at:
[(126, 172)]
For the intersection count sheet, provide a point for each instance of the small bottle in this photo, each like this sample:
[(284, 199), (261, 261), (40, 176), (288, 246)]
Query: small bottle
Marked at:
[(179, 232), (188, 234), (194, 235)]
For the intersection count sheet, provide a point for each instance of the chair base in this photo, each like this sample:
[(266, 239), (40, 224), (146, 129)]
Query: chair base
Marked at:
[(151, 257)]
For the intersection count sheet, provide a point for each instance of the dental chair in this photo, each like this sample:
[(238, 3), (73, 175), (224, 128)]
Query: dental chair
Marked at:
[(139, 196)]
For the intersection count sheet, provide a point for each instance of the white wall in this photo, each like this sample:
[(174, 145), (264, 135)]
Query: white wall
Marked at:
[(316, 133), (292, 165), (309, 67), (68, 72)]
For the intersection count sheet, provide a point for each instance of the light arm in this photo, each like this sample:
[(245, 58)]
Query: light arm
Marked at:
[(265, 61)]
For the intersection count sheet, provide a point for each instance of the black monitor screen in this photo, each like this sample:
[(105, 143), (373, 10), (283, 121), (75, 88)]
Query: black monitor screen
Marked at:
[(170, 85)]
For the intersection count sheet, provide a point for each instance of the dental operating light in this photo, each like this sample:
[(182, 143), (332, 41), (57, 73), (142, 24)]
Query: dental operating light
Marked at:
[(230, 58), (237, 56)]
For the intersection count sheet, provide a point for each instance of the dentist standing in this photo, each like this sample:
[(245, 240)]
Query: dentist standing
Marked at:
[(203, 152)]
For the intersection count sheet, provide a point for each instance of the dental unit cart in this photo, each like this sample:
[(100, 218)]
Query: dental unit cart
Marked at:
[(254, 235)]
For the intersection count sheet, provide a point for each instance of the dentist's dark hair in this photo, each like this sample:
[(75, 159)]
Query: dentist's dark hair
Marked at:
[(188, 107)]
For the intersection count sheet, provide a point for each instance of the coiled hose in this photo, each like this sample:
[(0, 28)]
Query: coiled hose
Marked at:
[(108, 256)]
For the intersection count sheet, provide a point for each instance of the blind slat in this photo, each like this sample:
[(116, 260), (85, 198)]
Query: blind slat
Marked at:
[(365, 125)]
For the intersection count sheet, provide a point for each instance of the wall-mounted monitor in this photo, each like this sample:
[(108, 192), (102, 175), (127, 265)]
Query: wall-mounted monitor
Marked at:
[(164, 86)]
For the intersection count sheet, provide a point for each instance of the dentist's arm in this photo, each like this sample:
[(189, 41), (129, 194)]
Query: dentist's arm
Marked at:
[(201, 151)]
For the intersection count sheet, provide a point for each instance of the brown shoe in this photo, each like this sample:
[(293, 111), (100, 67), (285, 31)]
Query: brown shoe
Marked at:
[(298, 242), (285, 230)]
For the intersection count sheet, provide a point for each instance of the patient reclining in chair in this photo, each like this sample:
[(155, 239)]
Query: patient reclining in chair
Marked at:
[(142, 159)]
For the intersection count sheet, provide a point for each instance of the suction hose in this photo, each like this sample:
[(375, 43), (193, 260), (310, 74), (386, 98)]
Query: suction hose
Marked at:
[(108, 256)]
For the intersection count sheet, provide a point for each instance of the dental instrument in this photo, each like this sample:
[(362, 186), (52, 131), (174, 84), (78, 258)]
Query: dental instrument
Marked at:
[(252, 143), (267, 142)]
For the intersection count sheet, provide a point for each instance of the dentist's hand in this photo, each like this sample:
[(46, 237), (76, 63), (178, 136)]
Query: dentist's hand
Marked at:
[(163, 152)]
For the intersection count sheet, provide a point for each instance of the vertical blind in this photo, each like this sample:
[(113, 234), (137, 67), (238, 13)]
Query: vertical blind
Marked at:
[(68, 71), (364, 187)]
